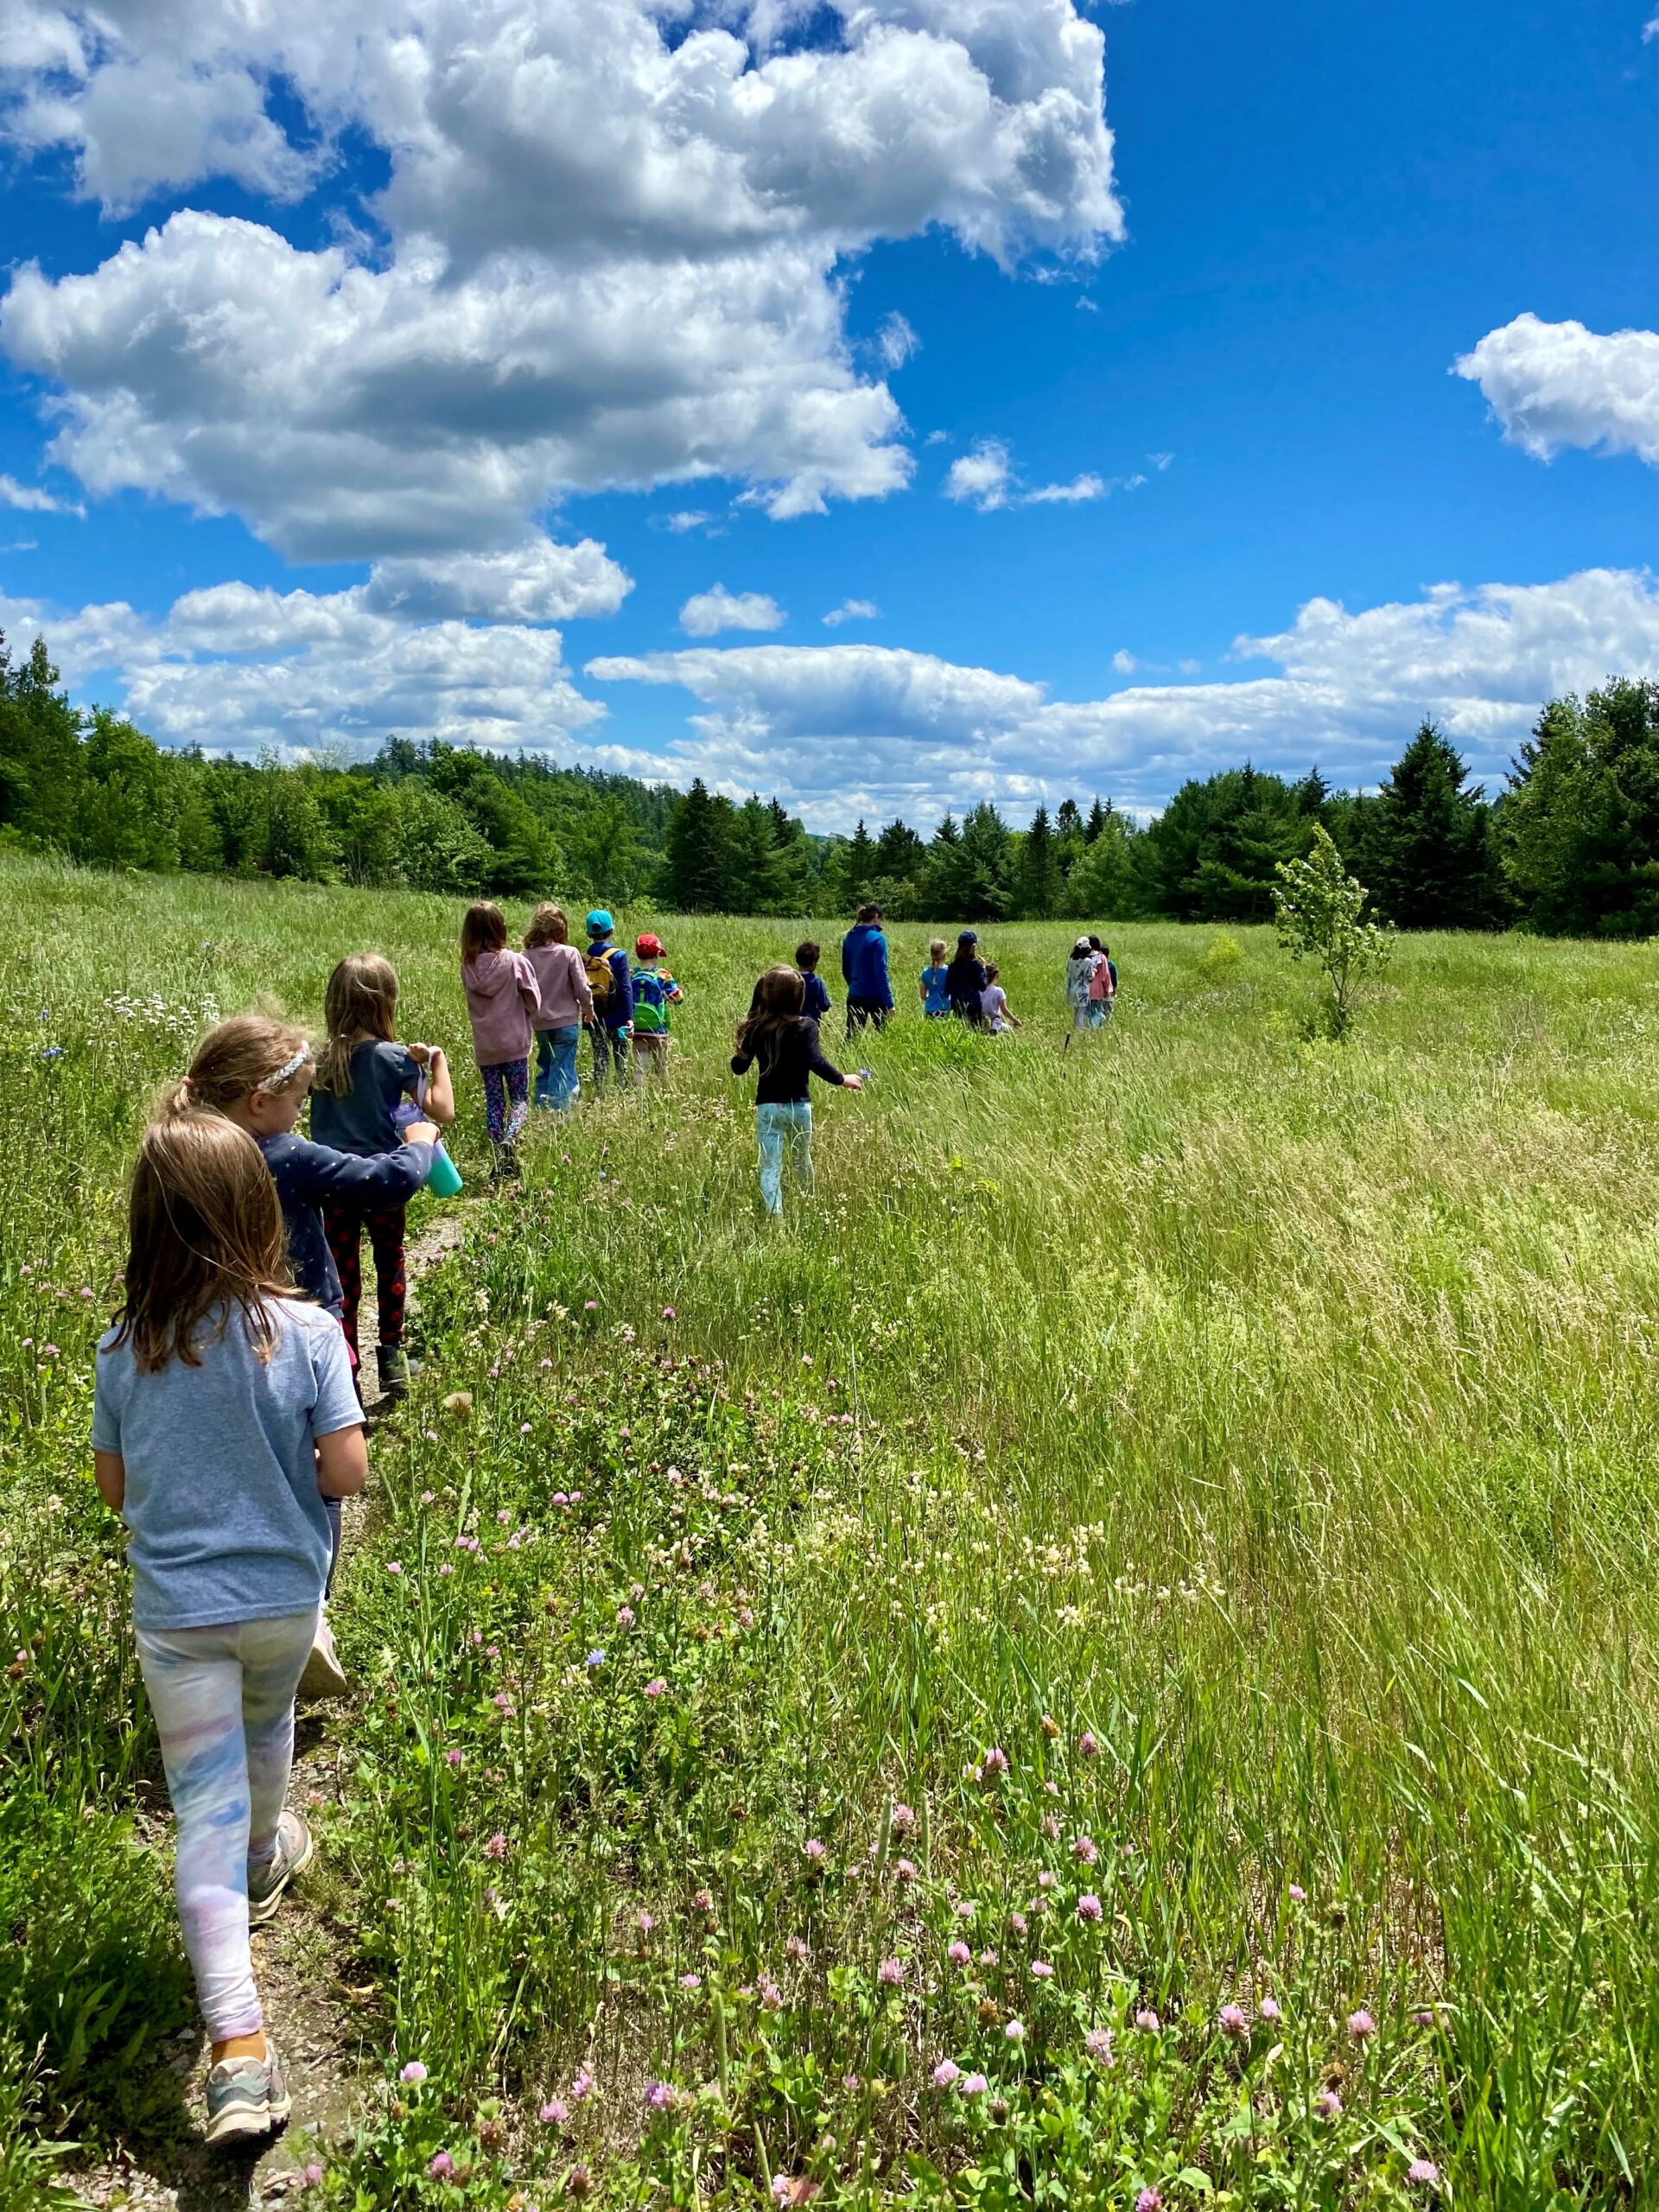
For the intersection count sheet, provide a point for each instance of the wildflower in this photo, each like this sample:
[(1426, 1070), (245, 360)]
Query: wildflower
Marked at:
[(502, 1702), (555, 2113), (1361, 2026), (1426, 2017), (1085, 1850), (413, 2072), (497, 1846), (590, 1305), (1328, 2105), (974, 2085), (812, 1852), (1297, 1894), (578, 2182), (643, 1922), (902, 1820), (1424, 2172), (890, 1973), (959, 1954), (987, 1957), (1148, 2021), (1088, 1745), (1041, 1970), (905, 1870), (459, 1402), (596, 1658), (851, 2084), (582, 2087), (656, 1686), (441, 2167), (1269, 2011), (311, 2175), (668, 1312), (625, 1617), (659, 2095), (701, 1901), (1098, 2044), (1234, 2023), (691, 1981), (1050, 1727), (995, 1761), (1089, 1907), (1015, 2032), (771, 1996), (1149, 2200), (50, 1351), (946, 2073), (795, 1949), (1047, 1881), (963, 1908), (1018, 1923)]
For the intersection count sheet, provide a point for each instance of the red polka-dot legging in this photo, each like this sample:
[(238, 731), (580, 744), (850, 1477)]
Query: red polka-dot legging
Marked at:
[(343, 1226)]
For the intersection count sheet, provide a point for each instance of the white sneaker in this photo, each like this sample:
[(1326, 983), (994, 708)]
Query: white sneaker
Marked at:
[(324, 1676)]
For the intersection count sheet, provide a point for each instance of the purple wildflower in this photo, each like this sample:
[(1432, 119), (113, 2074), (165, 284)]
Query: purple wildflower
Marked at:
[(1269, 2011), (890, 1973), (1085, 1850), (1150, 2200), (996, 1760), (1233, 2023), (1015, 2032), (497, 1846), (1089, 1907), (1361, 2026), (1328, 2105), (959, 1954), (812, 1851), (974, 2085), (1424, 2172), (946, 2073), (1148, 2021), (555, 2113), (441, 2167), (659, 2095), (1098, 2044), (656, 1686), (413, 2072)]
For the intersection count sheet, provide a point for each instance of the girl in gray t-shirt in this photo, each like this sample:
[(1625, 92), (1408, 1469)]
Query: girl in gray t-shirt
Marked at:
[(224, 1415)]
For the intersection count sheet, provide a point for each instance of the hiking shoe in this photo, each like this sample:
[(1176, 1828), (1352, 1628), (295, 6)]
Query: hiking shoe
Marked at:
[(506, 1164), (294, 1851), (247, 2096), (397, 1370), (324, 1676)]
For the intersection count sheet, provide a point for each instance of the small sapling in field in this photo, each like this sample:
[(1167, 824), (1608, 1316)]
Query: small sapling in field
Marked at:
[(1319, 906)]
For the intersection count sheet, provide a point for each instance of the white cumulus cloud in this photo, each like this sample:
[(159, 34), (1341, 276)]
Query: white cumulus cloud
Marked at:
[(538, 582), (238, 668), (896, 341), (852, 610), (1557, 383), (985, 478), (30, 500), (607, 253), (707, 612)]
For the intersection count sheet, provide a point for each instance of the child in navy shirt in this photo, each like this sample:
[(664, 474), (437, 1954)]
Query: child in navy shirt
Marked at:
[(816, 1003)]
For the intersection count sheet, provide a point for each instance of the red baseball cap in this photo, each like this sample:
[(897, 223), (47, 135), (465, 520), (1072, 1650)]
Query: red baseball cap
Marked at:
[(648, 947)]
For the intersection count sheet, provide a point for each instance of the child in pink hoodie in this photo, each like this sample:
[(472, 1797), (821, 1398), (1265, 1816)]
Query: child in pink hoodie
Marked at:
[(502, 1000)]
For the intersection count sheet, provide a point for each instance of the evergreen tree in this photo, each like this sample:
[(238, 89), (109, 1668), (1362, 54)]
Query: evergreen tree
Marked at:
[(41, 770), (943, 882), (986, 880), (1579, 828), (1096, 822), (899, 853), (757, 873), (851, 870), (1039, 885), (1105, 885), (696, 862), (1429, 844)]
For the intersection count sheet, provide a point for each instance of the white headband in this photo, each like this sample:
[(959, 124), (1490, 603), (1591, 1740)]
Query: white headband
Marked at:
[(274, 1083)]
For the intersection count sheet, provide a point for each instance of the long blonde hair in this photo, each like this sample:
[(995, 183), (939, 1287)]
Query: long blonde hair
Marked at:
[(548, 925), (250, 1052), (204, 1236), (360, 1007)]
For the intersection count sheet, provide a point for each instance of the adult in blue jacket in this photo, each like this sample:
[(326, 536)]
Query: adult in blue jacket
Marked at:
[(864, 966)]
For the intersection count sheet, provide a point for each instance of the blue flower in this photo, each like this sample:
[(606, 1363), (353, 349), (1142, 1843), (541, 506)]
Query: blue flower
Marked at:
[(596, 1658), (52, 1052)]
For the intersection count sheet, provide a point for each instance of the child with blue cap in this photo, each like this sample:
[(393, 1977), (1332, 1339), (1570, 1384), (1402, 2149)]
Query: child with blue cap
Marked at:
[(612, 1024)]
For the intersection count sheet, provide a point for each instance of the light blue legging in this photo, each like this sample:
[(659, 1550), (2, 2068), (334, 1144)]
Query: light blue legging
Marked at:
[(223, 1704), (780, 1129)]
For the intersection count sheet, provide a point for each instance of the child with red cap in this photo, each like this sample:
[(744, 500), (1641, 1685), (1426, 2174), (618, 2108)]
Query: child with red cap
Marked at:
[(654, 992)]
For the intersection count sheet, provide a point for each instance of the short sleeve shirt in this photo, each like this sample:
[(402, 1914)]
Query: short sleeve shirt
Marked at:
[(382, 1076), (226, 1522)]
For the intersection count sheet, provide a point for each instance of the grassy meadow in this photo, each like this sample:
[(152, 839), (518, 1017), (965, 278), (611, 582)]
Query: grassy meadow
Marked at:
[(1108, 1662)]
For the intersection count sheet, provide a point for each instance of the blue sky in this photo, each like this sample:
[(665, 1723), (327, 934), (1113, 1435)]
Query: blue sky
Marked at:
[(326, 366)]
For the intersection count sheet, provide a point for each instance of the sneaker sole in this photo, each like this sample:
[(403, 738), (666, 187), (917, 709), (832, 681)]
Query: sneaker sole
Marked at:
[(243, 2124), (266, 1909)]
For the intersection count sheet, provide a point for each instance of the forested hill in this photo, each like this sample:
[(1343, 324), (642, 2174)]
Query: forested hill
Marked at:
[(1570, 847)]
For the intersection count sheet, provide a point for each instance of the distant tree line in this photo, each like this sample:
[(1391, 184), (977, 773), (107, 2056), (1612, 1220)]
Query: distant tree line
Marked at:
[(1570, 847)]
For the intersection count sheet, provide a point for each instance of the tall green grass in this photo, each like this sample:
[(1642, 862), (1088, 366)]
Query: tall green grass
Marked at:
[(1276, 1417)]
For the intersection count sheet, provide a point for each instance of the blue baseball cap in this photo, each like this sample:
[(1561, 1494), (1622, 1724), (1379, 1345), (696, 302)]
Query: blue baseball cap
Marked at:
[(600, 923)]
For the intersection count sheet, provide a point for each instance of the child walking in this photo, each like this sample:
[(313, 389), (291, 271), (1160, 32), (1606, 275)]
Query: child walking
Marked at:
[(1079, 974), (816, 1003), (567, 1001), (778, 1037), (606, 968), (994, 1002), (256, 1072), (223, 1417), (654, 992), (936, 984), (502, 1000), (367, 1084)]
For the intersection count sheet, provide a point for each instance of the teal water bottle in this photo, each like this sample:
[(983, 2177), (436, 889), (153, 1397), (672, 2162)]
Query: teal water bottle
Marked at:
[(443, 1177)]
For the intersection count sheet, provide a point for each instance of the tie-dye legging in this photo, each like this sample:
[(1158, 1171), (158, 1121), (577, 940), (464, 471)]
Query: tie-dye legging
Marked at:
[(508, 1081), (223, 1704)]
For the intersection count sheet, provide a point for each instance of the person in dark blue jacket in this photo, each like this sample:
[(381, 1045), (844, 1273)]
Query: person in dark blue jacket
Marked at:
[(818, 997), (612, 985), (864, 965)]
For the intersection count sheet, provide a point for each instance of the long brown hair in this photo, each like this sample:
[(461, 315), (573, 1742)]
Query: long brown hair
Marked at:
[(250, 1052), (205, 1236), (360, 1007), (484, 929), (779, 995), (548, 925)]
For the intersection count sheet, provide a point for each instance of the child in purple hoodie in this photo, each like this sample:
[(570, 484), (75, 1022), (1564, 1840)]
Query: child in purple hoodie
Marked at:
[(502, 1001)]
